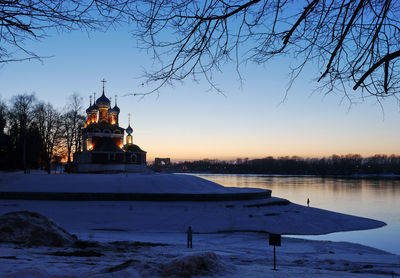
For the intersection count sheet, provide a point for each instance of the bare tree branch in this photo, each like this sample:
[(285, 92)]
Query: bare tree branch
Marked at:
[(347, 39)]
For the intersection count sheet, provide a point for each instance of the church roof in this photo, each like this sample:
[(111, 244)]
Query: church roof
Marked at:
[(133, 148), (106, 145), (94, 107), (103, 101), (116, 109), (129, 130), (103, 125)]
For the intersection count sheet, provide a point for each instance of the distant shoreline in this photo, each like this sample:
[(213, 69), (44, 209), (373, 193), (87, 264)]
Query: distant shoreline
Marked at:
[(356, 176), (345, 166)]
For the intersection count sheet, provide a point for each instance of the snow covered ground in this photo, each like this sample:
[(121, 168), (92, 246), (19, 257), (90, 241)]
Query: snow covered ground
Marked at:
[(216, 255), (225, 241), (40, 181), (268, 215)]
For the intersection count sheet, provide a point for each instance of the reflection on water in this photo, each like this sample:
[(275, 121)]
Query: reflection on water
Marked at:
[(377, 199)]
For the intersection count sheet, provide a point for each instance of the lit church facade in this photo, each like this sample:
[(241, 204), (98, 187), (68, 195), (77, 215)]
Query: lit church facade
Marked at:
[(103, 142)]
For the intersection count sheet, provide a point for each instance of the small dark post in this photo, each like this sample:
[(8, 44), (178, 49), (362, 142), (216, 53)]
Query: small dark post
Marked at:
[(275, 240), (274, 259)]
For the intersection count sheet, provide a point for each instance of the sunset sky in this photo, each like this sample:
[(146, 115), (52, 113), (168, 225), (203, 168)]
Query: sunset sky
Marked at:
[(188, 121)]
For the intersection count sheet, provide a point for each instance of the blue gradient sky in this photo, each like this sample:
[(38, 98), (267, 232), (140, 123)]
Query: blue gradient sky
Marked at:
[(189, 122)]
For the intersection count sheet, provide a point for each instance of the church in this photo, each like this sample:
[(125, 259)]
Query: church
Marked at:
[(103, 148)]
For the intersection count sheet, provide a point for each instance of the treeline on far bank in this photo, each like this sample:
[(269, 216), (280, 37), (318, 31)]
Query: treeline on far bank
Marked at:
[(351, 164)]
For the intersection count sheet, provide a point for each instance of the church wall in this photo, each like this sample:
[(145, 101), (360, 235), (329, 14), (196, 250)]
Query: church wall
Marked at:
[(103, 114), (99, 158), (118, 141), (101, 168), (108, 158), (120, 157)]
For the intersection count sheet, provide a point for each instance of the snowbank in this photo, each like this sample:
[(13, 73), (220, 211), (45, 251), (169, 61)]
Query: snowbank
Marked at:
[(32, 229), (200, 264)]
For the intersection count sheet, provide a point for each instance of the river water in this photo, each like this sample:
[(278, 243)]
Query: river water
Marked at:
[(376, 199)]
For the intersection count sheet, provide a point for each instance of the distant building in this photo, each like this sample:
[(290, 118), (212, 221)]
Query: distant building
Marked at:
[(158, 161), (103, 142)]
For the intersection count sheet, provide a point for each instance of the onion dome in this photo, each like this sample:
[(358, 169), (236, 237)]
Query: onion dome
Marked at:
[(94, 107), (129, 130), (90, 108), (116, 109), (103, 101)]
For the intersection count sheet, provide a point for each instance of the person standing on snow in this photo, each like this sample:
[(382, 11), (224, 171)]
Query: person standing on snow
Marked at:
[(189, 237)]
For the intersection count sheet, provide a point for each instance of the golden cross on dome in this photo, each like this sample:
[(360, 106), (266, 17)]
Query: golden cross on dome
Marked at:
[(129, 118)]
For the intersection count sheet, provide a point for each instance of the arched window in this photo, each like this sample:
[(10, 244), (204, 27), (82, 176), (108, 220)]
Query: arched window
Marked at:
[(106, 131)]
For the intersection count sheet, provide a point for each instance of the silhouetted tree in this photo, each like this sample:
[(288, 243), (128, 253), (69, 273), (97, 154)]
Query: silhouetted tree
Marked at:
[(48, 123), (354, 42), (33, 19), (5, 141), (20, 116), (351, 164), (33, 134), (73, 121), (3, 113), (34, 146)]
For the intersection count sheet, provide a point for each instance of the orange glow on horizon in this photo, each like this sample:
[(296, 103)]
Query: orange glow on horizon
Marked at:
[(179, 149)]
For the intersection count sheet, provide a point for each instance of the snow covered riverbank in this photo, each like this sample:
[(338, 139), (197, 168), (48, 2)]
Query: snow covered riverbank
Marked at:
[(231, 233), (114, 183), (273, 215)]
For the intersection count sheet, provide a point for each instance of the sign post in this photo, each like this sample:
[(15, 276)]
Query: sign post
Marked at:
[(275, 240)]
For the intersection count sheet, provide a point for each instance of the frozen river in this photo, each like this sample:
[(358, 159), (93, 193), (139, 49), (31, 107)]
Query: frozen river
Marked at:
[(376, 199)]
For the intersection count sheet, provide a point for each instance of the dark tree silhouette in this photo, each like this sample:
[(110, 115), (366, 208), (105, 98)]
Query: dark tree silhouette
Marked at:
[(351, 164), (20, 115), (73, 121), (32, 20), (5, 140), (33, 134), (49, 125), (354, 42)]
